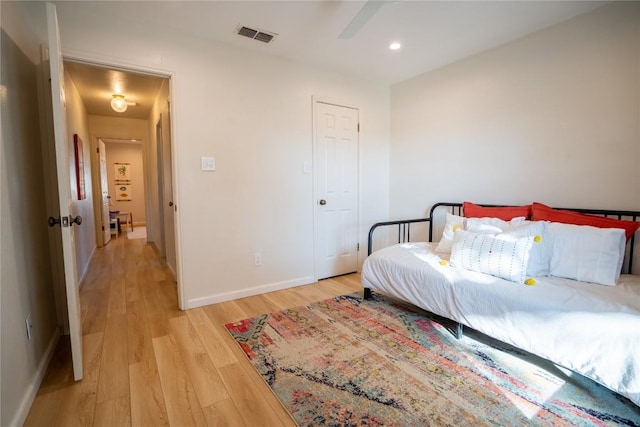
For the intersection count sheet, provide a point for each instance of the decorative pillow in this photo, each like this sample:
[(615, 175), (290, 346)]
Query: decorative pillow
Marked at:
[(540, 250), (451, 225), (491, 225), (503, 212), (585, 253), (487, 254), (540, 212)]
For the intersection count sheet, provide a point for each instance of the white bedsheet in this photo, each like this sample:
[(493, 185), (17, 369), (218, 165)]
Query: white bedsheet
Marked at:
[(588, 328)]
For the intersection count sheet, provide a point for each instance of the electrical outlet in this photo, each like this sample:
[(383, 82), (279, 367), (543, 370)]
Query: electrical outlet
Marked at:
[(257, 259), (29, 326)]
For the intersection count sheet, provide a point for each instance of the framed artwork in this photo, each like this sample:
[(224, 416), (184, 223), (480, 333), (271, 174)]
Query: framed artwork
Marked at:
[(123, 192), (122, 171), (79, 153)]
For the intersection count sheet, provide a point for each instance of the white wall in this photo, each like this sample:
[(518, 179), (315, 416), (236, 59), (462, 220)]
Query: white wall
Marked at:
[(253, 112), (552, 117)]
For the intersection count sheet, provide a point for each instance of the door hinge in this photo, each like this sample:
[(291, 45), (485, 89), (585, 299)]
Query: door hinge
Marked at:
[(358, 127), (98, 150), (358, 248), (103, 228)]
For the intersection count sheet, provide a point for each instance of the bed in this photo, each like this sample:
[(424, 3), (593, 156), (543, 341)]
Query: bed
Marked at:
[(590, 328)]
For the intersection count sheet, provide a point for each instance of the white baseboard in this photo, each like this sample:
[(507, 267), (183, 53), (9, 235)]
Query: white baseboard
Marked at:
[(173, 272), (30, 394), (228, 296), (155, 245)]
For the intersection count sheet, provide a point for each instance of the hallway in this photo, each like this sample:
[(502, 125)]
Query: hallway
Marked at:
[(148, 363)]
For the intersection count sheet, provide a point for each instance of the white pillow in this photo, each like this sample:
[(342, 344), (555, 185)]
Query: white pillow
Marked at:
[(504, 258), (491, 225), (585, 253), (540, 251), (451, 225)]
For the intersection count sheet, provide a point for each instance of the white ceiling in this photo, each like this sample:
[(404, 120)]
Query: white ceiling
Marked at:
[(96, 87), (432, 33)]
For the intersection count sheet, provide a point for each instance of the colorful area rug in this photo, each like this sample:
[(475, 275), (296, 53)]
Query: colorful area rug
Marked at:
[(348, 362)]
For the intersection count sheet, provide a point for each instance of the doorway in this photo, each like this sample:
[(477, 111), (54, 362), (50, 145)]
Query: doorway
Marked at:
[(147, 94), (123, 211), (336, 189)]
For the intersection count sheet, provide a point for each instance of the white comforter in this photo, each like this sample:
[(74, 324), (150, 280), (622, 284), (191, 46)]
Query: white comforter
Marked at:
[(591, 329)]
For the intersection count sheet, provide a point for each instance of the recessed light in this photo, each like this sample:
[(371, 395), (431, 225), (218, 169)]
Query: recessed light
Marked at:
[(395, 46)]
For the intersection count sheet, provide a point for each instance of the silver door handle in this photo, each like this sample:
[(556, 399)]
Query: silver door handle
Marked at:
[(322, 202)]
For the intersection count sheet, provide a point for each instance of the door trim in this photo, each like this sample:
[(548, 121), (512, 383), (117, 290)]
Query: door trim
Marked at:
[(157, 127), (83, 58), (321, 100)]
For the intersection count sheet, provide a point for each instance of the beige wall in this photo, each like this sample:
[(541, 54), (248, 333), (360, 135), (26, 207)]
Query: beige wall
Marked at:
[(127, 153), (552, 117), (77, 123), (25, 266), (117, 128)]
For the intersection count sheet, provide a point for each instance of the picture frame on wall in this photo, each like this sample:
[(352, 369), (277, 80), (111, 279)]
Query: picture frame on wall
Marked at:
[(123, 192), (122, 171), (78, 150)]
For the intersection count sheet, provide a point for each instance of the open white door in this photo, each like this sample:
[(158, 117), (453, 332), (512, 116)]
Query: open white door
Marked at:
[(67, 219), (169, 205), (104, 193)]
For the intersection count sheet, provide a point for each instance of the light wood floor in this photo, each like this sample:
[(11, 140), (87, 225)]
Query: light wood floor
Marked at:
[(146, 363)]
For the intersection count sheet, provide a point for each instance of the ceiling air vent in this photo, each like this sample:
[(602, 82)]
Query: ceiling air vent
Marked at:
[(262, 36)]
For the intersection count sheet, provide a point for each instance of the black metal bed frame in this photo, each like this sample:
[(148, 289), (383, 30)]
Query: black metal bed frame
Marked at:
[(404, 230)]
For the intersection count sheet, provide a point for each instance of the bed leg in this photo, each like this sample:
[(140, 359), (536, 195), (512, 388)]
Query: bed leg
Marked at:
[(459, 330), (367, 293)]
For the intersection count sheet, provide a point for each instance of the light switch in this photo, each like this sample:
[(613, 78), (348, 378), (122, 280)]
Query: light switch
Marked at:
[(306, 167), (208, 163)]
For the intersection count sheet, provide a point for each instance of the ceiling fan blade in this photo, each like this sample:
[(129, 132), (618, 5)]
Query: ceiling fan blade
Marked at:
[(368, 10)]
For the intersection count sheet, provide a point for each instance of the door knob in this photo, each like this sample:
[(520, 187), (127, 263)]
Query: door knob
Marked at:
[(322, 202), (53, 221), (77, 220)]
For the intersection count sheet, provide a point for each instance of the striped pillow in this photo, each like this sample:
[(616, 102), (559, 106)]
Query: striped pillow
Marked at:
[(507, 259)]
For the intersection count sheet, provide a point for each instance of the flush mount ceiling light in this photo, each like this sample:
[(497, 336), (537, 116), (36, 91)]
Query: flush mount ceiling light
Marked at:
[(118, 103), (395, 46)]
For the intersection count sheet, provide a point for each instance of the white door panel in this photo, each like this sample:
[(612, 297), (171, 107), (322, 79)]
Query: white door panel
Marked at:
[(62, 149), (336, 189), (104, 194), (170, 203)]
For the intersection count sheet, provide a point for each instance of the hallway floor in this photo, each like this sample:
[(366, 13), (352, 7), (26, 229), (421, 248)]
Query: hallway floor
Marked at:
[(147, 363)]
